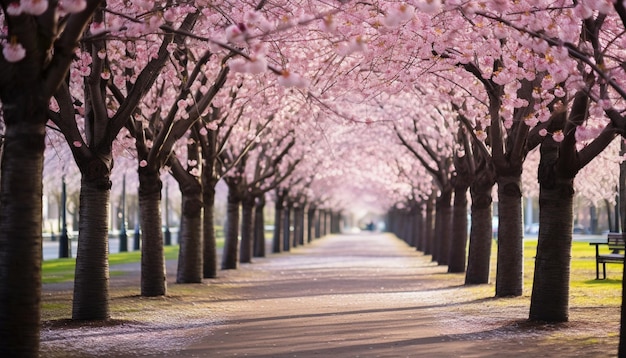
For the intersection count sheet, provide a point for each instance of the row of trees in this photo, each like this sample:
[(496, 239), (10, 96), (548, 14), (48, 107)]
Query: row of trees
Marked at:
[(323, 105)]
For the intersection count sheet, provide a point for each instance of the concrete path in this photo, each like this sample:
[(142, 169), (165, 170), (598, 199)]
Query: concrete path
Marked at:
[(366, 295), (362, 295)]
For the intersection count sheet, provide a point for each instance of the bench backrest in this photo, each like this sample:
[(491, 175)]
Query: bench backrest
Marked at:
[(616, 241)]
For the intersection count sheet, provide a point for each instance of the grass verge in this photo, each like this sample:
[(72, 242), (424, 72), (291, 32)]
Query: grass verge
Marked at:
[(62, 270)]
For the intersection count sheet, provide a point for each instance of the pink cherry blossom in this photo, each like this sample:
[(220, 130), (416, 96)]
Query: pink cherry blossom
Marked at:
[(558, 136), (144, 5), (13, 51), (356, 44), (235, 33), (73, 6), (329, 24), (429, 6), (288, 79), (254, 65), (256, 19), (34, 7), (14, 8), (97, 28), (398, 15), (257, 65), (531, 121), (212, 126)]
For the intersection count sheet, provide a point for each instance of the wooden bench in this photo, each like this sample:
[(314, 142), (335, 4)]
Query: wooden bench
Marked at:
[(616, 244)]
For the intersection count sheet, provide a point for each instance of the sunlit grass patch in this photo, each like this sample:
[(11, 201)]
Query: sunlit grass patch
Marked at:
[(585, 290), (62, 270)]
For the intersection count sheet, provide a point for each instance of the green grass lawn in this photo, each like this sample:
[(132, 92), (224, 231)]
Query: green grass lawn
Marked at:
[(585, 290), (62, 270)]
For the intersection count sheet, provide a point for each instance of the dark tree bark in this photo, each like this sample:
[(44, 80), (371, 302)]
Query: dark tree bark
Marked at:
[(20, 226), (306, 227), (153, 279), (550, 296), (231, 239), (464, 175), (318, 224), (310, 223), (190, 255), (443, 227), (287, 226), (26, 87), (259, 227), (91, 284), (429, 225), (299, 224), (277, 241), (510, 265), (560, 162), (247, 225), (419, 222), (458, 242), (481, 231), (210, 246)]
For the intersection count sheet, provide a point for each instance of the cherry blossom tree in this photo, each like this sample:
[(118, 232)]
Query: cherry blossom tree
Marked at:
[(37, 54), (435, 153)]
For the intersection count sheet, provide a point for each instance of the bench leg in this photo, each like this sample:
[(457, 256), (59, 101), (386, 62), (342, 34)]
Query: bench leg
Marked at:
[(604, 270)]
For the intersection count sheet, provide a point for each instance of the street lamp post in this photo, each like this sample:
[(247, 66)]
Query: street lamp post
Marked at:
[(65, 250), (167, 234), (123, 234), (137, 236)]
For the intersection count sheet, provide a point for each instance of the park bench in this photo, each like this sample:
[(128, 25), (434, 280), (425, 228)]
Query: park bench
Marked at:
[(616, 246)]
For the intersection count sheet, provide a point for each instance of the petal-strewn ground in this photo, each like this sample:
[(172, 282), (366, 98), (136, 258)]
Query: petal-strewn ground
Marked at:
[(361, 295)]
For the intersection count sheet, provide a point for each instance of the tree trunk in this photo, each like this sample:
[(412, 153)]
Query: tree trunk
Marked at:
[(91, 283), (259, 227), (622, 190), (277, 241), (481, 232), (295, 223), (510, 265), (190, 260), (299, 220), (429, 225), (210, 245), (153, 279), (419, 224), (318, 223), (287, 227), (247, 224), (458, 242), (327, 223), (550, 295), (310, 223), (443, 227), (20, 228), (231, 239)]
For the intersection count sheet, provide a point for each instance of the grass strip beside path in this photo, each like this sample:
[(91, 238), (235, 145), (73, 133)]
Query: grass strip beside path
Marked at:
[(62, 270)]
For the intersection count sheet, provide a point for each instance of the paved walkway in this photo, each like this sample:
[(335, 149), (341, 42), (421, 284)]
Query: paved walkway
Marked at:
[(365, 295)]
